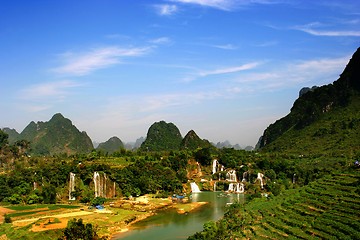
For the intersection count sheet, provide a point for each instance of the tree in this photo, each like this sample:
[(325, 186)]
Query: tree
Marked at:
[(76, 229), (203, 156), (3, 139)]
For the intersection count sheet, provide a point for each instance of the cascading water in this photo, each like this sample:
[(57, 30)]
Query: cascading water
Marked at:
[(214, 186), (100, 184), (214, 166), (236, 187), (260, 177), (245, 175), (72, 186), (103, 185), (231, 176), (194, 187)]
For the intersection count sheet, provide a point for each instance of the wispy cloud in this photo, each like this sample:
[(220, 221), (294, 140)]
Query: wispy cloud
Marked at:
[(227, 70), (225, 5), (219, 71), (166, 9), (43, 96), (161, 40), (315, 29), (299, 74), (226, 46), (54, 90), (80, 64)]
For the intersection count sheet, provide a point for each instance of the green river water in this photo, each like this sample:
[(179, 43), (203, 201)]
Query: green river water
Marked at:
[(168, 224)]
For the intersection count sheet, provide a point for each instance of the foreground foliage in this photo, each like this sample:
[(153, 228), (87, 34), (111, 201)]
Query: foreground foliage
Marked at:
[(325, 209)]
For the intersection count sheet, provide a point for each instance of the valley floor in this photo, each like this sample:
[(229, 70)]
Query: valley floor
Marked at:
[(33, 221)]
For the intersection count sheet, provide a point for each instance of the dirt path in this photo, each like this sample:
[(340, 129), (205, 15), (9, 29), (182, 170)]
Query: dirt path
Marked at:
[(4, 211), (25, 222)]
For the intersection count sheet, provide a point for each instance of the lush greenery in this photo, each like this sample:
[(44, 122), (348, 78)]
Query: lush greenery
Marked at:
[(330, 109), (162, 136), (325, 209), (76, 229), (192, 141), (56, 136), (112, 145)]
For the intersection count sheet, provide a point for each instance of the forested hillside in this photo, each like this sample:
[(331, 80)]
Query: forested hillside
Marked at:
[(324, 119)]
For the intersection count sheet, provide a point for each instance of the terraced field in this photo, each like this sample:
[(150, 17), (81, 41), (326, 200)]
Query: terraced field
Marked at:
[(325, 209)]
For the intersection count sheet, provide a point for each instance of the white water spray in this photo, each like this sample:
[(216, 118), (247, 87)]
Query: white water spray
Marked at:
[(194, 187), (72, 186)]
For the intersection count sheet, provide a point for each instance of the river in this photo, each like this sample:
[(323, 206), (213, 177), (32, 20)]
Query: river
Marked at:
[(168, 224)]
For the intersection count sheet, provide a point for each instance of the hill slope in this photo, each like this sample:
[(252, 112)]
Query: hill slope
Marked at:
[(299, 214), (324, 119), (112, 145), (56, 136), (162, 136), (192, 141)]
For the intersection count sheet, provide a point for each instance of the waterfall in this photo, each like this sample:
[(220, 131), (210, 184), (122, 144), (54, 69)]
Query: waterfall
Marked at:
[(214, 186), (245, 174), (236, 187), (214, 164), (198, 167), (293, 181), (194, 187), (231, 176), (101, 187), (260, 177), (72, 186), (114, 189)]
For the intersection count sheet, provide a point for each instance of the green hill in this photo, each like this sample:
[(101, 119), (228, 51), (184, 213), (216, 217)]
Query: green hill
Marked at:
[(162, 136), (325, 120), (56, 136), (112, 145), (13, 135), (192, 141)]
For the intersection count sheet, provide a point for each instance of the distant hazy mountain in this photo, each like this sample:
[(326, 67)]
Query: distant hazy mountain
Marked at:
[(227, 144), (134, 145), (192, 141), (56, 136), (112, 145), (162, 136), (323, 119)]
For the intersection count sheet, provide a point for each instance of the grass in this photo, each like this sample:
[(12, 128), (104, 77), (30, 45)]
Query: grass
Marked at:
[(325, 209), (36, 206)]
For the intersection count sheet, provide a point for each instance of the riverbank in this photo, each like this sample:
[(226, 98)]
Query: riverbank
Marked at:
[(117, 217), (155, 204)]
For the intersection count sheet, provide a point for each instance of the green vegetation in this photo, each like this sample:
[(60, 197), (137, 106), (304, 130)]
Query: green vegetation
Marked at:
[(326, 208), (112, 145), (311, 185), (192, 141), (76, 229), (326, 113), (162, 136), (55, 137)]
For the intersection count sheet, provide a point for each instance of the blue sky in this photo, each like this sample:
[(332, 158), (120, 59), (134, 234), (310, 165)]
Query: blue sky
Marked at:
[(226, 69)]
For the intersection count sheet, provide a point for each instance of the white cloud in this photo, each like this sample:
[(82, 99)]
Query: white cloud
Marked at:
[(314, 29), (226, 47), (219, 71), (166, 9), (227, 70), (80, 64), (161, 40), (54, 90), (299, 73), (225, 5)]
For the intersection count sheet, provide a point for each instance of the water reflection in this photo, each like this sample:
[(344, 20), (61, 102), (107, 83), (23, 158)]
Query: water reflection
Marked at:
[(169, 224)]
